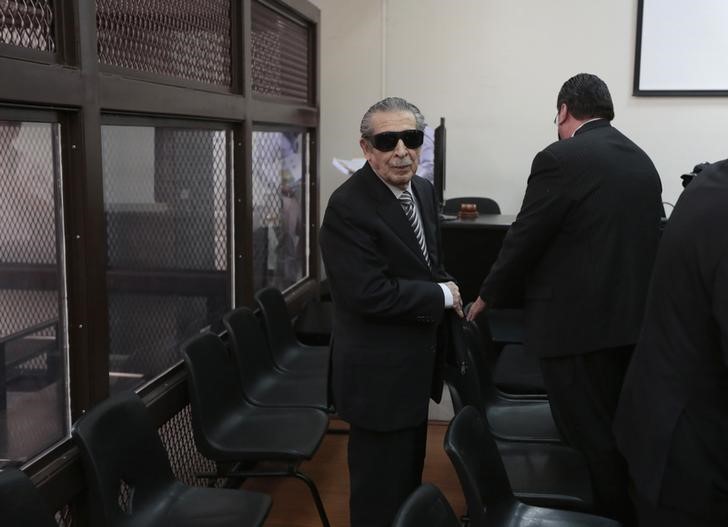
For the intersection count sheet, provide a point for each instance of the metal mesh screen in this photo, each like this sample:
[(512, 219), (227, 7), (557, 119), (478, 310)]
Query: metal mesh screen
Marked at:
[(166, 203), (280, 211), (186, 461), (27, 24), (32, 354), (64, 517), (186, 39), (280, 54)]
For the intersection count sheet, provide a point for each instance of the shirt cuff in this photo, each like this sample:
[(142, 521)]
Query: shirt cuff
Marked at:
[(448, 295)]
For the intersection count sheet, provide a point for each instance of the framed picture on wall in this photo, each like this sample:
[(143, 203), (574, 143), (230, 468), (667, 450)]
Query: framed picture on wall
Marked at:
[(682, 48)]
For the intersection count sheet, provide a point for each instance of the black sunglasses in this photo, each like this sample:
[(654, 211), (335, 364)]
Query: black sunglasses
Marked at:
[(387, 141)]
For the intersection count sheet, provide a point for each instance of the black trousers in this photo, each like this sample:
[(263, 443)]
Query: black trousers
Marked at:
[(384, 469), (661, 516), (584, 391)]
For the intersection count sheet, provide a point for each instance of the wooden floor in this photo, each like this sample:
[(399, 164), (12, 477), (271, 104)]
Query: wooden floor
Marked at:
[(292, 503)]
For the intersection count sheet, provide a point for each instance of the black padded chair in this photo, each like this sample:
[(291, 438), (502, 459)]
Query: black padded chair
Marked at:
[(485, 205), (288, 352), (541, 472), (515, 372), (510, 419), (124, 458), (20, 502), (263, 383), (485, 482), (232, 432), (313, 326), (426, 506)]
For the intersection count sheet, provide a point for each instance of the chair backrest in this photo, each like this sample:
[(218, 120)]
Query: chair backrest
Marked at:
[(478, 464), (248, 345), (485, 205), (426, 506), (276, 320), (121, 449), (20, 502), (214, 387)]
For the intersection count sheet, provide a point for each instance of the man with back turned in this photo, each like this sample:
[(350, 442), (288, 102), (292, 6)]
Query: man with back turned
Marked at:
[(583, 244), (380, 245), (672, 420)]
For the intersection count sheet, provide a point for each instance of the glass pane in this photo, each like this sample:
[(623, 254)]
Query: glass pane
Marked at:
[(166, 203), (280, 209), (33, 351)]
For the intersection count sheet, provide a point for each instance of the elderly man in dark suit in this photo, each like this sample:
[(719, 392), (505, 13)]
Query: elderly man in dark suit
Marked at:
[(672, 420), (380, 245), (584, 243)]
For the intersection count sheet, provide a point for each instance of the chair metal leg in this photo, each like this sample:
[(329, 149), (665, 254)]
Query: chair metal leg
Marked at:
[(315, 494), (290, 470)]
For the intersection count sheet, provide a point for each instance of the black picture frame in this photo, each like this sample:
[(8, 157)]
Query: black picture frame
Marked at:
[(639, 91)]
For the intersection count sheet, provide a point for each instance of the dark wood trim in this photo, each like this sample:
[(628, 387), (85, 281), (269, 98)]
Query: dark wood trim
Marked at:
[(247, 57), (30, 83), (238, 45), (28, 114), (165, 80), (58, 474), (243, 178), (299, 294), (66, 26), (314, 261), (244, 217), (86, 234), (132, 95), (162, 121), (300, 8), (272, 113), (28, 54), (315, 152), (166, 395)]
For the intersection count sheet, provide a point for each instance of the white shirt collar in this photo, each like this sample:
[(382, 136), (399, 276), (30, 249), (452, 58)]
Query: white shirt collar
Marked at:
[(395, 190), (582, 124)]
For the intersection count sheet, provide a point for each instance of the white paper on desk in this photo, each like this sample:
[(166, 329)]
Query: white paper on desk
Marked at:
[(348, 166)]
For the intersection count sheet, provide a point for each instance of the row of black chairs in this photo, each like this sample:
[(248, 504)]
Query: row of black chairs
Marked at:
[(512, 465), (486, 486), (258, 410), (542, 469)]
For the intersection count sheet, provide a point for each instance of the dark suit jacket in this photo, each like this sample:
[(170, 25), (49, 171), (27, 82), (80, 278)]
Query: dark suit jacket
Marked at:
[(584, 243), (387, 302), (672, 421)]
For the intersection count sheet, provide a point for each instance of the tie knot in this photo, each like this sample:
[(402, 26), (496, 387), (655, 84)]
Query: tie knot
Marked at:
[(406, 199)]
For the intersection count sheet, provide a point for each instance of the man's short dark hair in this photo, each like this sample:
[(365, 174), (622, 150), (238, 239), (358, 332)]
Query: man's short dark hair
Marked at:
[(586, 96)]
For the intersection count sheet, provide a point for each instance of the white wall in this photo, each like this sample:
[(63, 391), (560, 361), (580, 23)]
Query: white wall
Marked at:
[(493, 69)]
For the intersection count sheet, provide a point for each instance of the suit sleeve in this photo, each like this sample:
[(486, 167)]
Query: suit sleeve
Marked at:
[(720, 305), (545, 204), (359, 274)]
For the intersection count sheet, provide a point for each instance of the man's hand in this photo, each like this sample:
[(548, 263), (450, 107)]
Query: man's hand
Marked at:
[(476, 308), (457, 300)]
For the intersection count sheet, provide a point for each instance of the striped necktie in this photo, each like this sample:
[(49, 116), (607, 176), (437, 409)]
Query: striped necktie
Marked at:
[(408, 204)]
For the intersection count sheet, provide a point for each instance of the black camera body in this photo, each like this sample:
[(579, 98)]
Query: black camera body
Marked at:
[(687, 178)]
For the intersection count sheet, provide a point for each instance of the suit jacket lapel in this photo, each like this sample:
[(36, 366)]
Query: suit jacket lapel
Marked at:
[(391, 212)]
